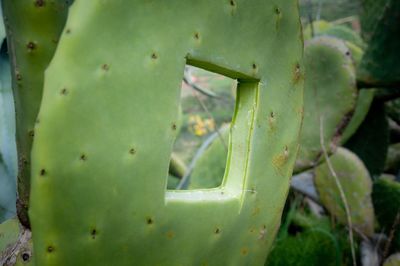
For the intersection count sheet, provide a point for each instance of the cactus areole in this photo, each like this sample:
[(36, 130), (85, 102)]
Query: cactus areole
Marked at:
[(107, 123)]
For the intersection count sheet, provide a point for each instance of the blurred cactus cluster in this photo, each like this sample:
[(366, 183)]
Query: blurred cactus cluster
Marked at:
[(343, 206)]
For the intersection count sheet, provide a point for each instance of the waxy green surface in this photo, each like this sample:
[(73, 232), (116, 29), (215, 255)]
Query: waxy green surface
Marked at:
[(357, 188), (33, 29), (330, 96), (107, 124)]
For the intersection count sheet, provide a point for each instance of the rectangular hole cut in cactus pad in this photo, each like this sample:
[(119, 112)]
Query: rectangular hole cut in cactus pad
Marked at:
[(207, 106)]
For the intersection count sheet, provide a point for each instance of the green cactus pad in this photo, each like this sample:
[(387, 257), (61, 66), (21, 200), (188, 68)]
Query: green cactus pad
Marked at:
[(357, 188), (330, 93), (33, 28), (371, 140), (324, 28), (380, 63), (364, 102), (317, 27), (107, 125), (386, 199)]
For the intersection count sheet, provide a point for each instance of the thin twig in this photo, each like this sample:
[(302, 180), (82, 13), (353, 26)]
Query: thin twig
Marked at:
[(341, 191), (196, 87), (344, 20)]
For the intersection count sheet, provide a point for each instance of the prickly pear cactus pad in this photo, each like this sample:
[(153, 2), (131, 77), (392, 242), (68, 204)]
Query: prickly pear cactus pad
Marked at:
[(33, 28), (107, 124), (357, 188), (330, 94), (381, 61)]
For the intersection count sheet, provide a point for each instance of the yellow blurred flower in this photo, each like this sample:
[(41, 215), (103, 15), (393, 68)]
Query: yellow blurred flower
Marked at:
[(199, 126)]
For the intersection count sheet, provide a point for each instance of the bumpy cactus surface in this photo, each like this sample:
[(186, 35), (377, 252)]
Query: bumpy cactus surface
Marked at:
[(33, 28), (330, 94), (357, 188), (107, 123)]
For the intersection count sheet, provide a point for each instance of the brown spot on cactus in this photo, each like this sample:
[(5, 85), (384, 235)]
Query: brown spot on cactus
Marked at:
[(24, 161), (278, 14), (31, 133), (18, 75), (271, 121), (256, 211), (342, 126), (149, 220), (132, 151), (244, 251), (83, 157), (105, 67), (170, 234), (50, 249), (31, 46), (64, 91), (197, 36), (68, 31), (42, 172), (297, 73), (93, 233), (262, 233), (217, 231), (232, 3), (154, 56), (279, 160), (173, 126), (25, 256), (40, 3)]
